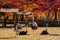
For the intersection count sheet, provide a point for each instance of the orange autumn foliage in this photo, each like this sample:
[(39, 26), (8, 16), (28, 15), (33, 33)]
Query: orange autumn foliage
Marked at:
[(32, 5)]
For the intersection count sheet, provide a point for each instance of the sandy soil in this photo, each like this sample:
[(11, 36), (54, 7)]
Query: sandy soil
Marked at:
[(10, 34)]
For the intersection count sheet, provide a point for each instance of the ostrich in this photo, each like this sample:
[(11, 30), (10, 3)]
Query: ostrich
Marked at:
[(34, 25), (18, 26), (45, 32)]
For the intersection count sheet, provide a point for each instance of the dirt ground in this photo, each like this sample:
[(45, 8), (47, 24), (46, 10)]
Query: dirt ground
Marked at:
[(10, 34)]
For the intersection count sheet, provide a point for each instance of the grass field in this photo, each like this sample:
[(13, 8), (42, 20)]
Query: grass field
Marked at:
[(10, 34)]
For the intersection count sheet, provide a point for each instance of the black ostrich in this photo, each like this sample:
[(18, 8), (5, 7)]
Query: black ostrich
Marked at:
[(34, 25), (45, 32), (18, 26)]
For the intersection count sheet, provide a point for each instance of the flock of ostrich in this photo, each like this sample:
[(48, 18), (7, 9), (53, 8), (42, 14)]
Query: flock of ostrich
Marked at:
[(33, 26), (18, 26)]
